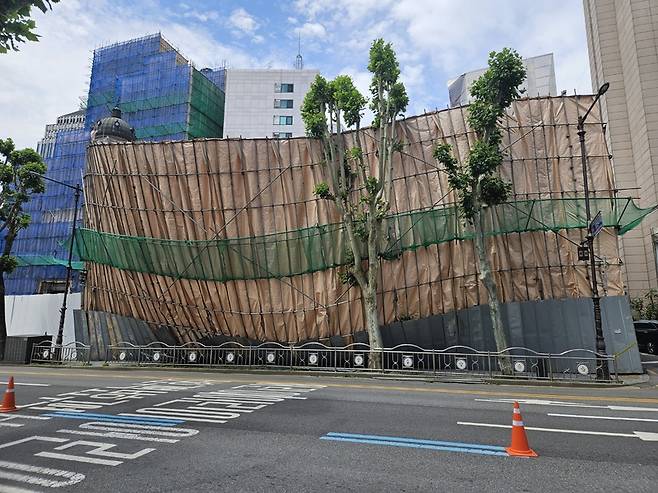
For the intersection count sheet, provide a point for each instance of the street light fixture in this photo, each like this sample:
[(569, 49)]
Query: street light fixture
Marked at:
[(69, 266), (602, 371)]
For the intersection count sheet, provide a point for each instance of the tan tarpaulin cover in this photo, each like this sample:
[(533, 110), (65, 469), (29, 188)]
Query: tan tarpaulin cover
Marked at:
[(205, 189)]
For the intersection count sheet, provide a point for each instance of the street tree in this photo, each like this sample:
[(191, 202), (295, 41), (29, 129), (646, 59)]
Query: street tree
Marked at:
[(476, 181), (16, 26), (20, 178), (361, 192)]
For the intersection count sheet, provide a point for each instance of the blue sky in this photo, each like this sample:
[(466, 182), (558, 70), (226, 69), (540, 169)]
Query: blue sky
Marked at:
[(435, 41)]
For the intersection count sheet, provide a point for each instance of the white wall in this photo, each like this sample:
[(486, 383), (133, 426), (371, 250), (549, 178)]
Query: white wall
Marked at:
[(39, 314), (249, 107)]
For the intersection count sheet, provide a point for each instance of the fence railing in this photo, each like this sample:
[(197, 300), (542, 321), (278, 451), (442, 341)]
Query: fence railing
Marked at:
[(457, 361)]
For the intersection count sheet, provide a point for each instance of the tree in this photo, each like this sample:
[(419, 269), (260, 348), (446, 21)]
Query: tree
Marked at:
[(19, 179), (646, 307), (477, 182), (15, 23), (361, 194)]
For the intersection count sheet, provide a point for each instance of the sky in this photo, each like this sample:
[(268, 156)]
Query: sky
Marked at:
[(435, 41)]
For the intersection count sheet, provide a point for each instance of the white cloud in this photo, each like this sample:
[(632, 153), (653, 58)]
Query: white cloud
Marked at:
[(243, 21), (312, 30)]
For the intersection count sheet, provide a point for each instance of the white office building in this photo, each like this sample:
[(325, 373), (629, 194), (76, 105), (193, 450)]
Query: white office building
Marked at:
[(265, 102), (70, 121), (540, 80)]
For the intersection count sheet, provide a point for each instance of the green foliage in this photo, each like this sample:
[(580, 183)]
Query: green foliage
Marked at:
[(8, 263), (321, 191), (645, 307), (389, 96), (19, 180), (16, 26), (476, 182)]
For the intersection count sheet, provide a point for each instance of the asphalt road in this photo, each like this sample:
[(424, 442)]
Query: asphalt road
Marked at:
[(143, 431)]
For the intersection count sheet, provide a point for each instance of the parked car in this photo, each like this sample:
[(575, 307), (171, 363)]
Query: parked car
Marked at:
[(646, 332)]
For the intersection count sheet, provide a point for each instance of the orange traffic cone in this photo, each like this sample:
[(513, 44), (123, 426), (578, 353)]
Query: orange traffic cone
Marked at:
[(519, 445), (9, 401)]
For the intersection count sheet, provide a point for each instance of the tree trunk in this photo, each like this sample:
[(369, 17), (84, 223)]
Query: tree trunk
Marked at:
[(372, 326), (3, 319), (9, 243), (487, 279)]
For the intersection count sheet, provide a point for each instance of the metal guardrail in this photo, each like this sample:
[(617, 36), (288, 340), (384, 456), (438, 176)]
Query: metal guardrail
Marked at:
[(73, 353), (457, 361)]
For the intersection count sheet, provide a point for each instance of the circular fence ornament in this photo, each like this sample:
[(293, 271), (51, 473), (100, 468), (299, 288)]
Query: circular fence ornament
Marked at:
[(313, 359), (45, 354), (461, 364), (230, 357), (192, 357), (358, 360), (583, 369), (156, 356), (519, 366), (122, 356), (270, 357), (407, 362)]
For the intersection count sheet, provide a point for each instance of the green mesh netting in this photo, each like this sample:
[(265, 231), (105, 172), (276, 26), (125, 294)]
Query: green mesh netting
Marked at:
[(39, 260), (321, 247), (206, 108)]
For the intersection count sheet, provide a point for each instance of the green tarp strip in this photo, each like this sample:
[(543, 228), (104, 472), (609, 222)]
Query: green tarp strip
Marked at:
[(42, 260), (321, 247)]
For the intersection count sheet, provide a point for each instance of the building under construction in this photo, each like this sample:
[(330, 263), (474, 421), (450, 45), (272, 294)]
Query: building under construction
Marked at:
[(160, 94), (210, 240)]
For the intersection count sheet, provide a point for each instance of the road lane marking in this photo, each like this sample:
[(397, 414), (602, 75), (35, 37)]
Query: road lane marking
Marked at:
[(642, 435), (71, 477), (78, 458), (11, 425), (613, 418), (115, 418), (119, 434), (33, 384), (555, 430), (541, 402), (412, 443)]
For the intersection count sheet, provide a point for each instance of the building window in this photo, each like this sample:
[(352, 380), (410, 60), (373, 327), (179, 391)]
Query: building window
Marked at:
[(52, 286), (282, 120), (282, 135), (283, 103), (283, 87)]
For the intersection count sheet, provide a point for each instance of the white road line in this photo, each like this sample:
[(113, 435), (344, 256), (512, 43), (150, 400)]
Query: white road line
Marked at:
[(170, 415), (11, 425), (119, 434), (541, 402), (33, 384), (554, 430), (614, 418), (14, 489), (25, 416), (72, 477), (77, 458)]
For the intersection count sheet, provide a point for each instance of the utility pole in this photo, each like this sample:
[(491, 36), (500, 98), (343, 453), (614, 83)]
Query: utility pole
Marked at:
[(602, 370), (69, 264)]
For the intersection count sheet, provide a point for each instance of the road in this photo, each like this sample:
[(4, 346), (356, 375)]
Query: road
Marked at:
[(96, 430)]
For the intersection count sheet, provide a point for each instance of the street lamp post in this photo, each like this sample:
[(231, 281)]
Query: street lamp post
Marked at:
[(69, 264), (602, 372)]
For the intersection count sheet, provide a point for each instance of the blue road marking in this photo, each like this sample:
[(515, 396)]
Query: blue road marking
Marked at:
[(471, 448), (115, 419)]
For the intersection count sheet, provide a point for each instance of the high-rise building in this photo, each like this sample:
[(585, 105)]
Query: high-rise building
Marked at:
[(265, 103), (161, 95), (622, 37), (540, 80)]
